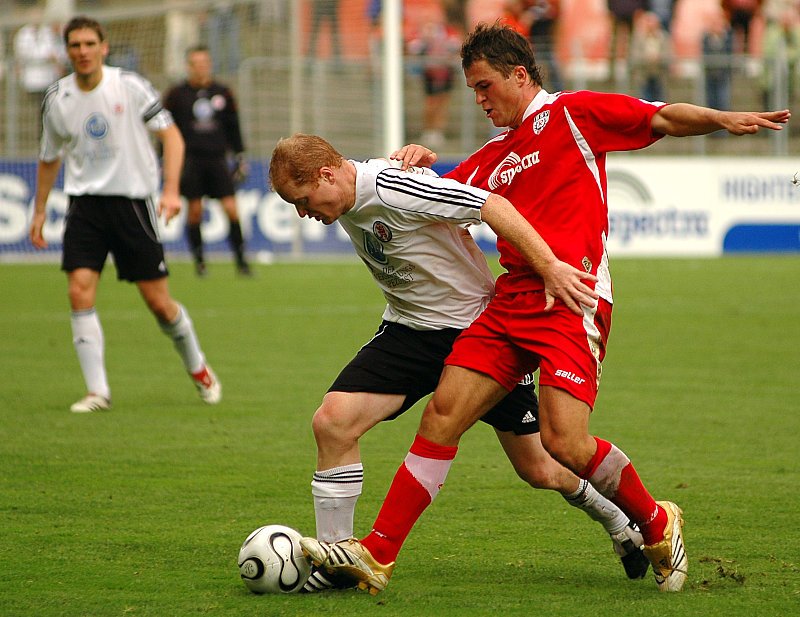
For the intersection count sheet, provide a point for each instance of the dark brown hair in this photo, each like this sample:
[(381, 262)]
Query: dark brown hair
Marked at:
[(502, 47), (80, 22), (197, 49)]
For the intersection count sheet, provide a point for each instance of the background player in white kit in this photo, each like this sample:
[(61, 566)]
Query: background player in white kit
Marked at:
[(410, 231), (98, 119)]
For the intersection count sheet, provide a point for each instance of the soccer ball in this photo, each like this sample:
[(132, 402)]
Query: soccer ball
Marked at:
[(271, 560)]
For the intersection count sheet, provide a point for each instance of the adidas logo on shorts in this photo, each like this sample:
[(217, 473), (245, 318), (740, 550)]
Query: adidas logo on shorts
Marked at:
[(528, 418)]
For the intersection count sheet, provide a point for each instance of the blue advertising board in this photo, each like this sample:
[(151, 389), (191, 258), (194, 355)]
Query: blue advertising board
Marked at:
[(658, 206)]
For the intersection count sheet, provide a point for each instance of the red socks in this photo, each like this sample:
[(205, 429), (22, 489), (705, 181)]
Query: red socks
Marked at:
[(413, 488), (613, 475)]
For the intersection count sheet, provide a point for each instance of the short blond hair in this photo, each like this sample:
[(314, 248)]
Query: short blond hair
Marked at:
[(299, 158)]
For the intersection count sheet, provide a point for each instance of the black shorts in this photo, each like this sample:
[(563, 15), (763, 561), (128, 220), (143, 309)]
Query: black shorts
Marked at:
[(400, 360), (206, 176), (99, 224)]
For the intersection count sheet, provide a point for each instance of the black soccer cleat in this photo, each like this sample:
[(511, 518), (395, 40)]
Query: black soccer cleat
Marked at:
[(628, 545), (319, 580)]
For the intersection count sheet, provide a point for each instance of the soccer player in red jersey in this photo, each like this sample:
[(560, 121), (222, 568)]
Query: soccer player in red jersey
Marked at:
[(550, 164)]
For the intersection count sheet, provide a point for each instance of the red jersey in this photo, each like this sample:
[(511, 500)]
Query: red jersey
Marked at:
[(552, 168)]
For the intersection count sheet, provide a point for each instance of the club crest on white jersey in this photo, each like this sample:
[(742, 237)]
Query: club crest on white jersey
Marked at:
[(510, 166), (382, 231)]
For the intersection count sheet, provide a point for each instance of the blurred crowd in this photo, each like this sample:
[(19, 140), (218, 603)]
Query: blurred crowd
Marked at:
[(759, 39), (640, 47)]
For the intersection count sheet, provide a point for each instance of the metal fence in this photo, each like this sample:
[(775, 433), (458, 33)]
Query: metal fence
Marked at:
[(341, 98)]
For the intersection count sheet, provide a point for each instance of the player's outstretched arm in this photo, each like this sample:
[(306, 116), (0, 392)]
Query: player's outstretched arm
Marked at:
[(561, 280), (685, 119), (414, 155), (46, 174)]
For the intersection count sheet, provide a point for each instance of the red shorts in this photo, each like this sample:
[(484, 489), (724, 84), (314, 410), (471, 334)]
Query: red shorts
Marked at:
[(515, 336)]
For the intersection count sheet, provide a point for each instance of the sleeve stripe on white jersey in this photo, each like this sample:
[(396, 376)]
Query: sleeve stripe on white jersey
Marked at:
[(446, 195), (152, 111), (152, 214), (430, 189), (146, 92), (49, 95)]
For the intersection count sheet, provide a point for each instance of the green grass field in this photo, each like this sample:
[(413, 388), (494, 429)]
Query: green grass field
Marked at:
[(141, 511)]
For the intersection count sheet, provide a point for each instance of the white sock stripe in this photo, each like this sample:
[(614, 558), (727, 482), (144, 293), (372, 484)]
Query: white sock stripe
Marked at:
[(580, 493), (346, 474), (335, 471), (346, 478), (84, 312)]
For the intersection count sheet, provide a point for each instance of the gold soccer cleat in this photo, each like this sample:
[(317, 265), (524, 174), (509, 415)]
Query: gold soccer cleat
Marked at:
[(668, 557), (349, 561)]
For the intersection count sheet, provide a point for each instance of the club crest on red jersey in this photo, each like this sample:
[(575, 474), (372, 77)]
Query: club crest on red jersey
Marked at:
[(540, 121)]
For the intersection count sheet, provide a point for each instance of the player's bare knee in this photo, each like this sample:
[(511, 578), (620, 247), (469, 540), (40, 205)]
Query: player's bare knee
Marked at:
[(537, 477), (162, 306), (562, 451), (440, 423), (161, 310), (321, 424), (81, 295), (332, 424), (78, 298)]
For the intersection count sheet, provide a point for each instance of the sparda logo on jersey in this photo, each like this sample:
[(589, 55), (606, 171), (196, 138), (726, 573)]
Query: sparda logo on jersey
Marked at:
[(510, 166), (96, 126)]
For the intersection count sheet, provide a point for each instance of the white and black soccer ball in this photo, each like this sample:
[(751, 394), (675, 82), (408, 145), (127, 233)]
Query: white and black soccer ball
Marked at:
[(271, 560)]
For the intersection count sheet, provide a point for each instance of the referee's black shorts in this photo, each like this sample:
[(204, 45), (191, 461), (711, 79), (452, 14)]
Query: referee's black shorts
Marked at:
[(209, 176), (97, 225), (400, 360)]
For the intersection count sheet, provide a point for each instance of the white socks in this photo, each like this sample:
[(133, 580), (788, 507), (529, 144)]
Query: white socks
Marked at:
[(598, 507), (87, 337), (182, 333), (336, 492)]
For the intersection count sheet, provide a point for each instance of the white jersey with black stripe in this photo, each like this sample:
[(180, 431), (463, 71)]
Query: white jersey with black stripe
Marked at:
[(409, 228), (103, 134)]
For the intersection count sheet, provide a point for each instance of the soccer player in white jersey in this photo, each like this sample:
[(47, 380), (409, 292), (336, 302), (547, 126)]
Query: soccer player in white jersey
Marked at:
[(550, 164), (410, 231), (97, 119)]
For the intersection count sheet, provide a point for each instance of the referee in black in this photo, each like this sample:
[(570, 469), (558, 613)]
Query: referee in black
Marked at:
[(206, 114)]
